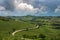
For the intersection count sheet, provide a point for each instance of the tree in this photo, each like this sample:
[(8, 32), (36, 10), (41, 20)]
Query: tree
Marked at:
[(42, 36), (1, 38), (35, 37), (13, 29), (15, 39), (27, 29), (25, 36)]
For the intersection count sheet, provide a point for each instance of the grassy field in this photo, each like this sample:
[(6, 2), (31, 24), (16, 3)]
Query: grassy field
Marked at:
[(49, 28)]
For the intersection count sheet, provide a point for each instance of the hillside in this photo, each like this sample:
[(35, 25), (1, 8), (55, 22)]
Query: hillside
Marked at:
[(49, 28)]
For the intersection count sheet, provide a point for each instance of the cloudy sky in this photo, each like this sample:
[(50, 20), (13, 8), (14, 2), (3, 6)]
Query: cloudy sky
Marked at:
[(29, 7)]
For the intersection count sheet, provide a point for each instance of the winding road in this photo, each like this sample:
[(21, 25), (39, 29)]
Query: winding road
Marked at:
[(24, 30)]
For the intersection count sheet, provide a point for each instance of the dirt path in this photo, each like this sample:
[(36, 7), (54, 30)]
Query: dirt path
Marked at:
[(24, 30)]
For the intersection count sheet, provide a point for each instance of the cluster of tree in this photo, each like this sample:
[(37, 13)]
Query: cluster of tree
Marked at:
[(42, 36), (56, 26), (5, 18)]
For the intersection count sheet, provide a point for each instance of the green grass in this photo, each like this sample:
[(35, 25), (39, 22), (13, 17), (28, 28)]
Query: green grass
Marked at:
[(6, 28)]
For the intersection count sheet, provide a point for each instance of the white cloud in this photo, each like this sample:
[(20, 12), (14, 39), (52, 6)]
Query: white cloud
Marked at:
[(57, 10), (24, 6), (2, 8), (29, 8)]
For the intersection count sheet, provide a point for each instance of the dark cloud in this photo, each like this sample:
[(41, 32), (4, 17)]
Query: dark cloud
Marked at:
[(8, 4), (40, 4), (52, 4)]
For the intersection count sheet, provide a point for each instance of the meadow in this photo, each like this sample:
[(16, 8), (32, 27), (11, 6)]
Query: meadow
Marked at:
[(49, 28)]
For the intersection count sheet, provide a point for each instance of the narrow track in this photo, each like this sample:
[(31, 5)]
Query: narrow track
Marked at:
[(24, 30)]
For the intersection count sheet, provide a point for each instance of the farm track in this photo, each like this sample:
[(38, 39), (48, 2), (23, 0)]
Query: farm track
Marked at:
[(24, 30)]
